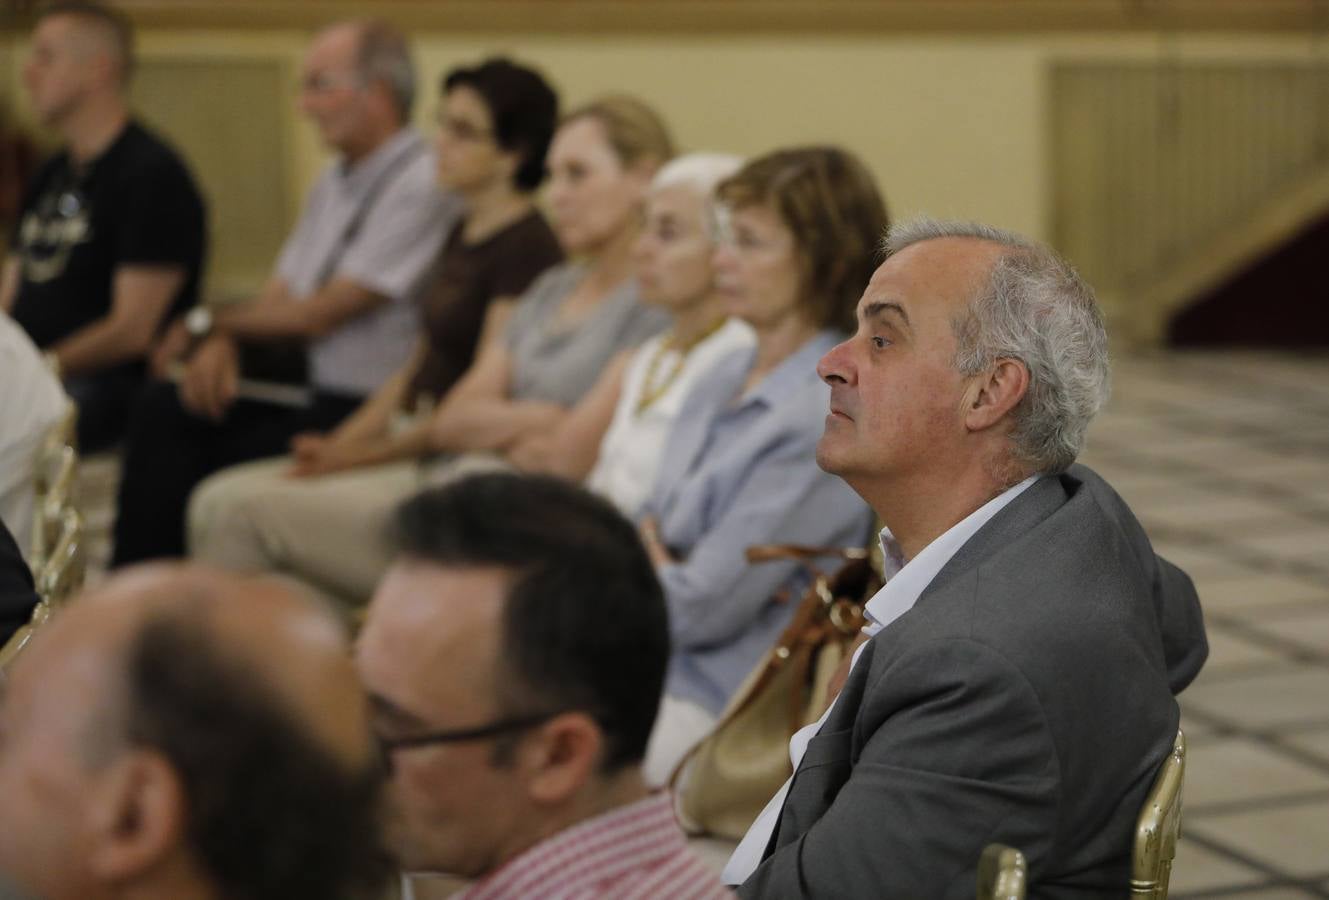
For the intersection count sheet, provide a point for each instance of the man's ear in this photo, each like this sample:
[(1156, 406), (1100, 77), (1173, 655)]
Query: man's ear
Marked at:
[(563, 758), (994, 393), (138, 816)]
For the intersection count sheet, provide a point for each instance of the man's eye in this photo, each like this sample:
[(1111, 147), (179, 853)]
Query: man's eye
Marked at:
[(880, 342)]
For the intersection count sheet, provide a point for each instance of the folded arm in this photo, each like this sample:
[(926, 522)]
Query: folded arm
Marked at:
[(478, 414), (570, 450)]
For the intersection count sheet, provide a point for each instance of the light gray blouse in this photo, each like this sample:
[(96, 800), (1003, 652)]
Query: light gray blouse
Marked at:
[(559, 363)]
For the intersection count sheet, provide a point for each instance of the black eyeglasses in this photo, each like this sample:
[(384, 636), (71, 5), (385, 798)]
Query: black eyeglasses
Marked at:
[(387, 746)]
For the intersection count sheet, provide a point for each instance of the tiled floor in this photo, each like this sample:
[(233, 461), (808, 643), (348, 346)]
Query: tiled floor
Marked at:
[(1225, 458)]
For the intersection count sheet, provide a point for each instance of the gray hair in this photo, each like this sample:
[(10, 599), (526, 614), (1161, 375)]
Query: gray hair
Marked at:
[(384, 56), (1035, 308), (699, 173)]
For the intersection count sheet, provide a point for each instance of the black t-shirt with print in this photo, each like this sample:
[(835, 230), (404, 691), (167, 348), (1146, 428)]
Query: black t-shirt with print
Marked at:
[(136, 204)]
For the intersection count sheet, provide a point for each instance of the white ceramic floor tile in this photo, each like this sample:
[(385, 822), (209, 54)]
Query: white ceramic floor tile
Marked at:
[(1231, 653), (1313, 742), (1310, 544), (1197, 869), (1254, 591), (1292, 839), (1233, 769), (1264, 701), (1310, 630)]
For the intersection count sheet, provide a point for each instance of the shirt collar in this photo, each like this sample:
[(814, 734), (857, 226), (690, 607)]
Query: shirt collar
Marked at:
[(602, 848), (789, 375), (906, 581)]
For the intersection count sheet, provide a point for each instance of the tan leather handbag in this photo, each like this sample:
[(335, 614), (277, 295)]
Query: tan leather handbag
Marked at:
[(723, 782)]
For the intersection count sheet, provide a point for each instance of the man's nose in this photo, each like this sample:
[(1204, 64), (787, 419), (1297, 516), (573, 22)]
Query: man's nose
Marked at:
[(834, 367)]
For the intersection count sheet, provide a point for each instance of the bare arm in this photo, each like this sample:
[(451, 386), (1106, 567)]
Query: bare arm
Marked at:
[(477, 413), (8, 284), (140, 297), (372, 418), (571, 448), (278, 314)]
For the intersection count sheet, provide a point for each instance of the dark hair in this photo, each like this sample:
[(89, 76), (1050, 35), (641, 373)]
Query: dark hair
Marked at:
[(271, 813), (828, 199), (584, 626), (524, 109), (111, 22)]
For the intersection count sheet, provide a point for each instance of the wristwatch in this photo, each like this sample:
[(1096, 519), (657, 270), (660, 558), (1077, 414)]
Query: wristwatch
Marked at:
[(198, 322)]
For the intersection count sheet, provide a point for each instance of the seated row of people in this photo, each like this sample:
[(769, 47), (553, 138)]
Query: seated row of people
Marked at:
[(959, 388)]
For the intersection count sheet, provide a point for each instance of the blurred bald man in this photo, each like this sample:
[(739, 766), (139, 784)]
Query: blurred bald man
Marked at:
[(181, 733)]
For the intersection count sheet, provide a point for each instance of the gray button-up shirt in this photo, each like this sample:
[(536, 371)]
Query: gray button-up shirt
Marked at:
[(740, 471), (379, 223)]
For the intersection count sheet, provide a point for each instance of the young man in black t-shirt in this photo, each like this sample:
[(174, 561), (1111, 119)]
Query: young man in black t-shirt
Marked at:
[(112, 234)]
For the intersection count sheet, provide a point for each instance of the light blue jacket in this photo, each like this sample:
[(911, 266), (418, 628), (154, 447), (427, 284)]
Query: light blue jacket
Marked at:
[(741, 471)]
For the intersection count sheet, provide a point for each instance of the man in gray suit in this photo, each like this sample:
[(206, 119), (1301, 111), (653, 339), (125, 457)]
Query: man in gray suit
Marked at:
[(1018, 682)]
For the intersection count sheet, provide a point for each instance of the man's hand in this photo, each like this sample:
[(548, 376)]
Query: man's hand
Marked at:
[(172, 347), (211, 378)]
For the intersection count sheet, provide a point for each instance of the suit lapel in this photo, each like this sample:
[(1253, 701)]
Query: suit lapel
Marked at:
[(1040, 500), (800, 801), (812, 790)]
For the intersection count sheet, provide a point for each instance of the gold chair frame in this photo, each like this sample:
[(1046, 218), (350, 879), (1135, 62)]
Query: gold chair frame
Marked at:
[(56, 556), (1159, 827), (1002, 873)]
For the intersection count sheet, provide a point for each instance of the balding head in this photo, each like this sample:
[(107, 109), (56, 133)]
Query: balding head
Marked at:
[(179, 727), (97, 32), (79, 63)]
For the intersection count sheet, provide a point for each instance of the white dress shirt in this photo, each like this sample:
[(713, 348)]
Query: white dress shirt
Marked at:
[(31, 402), (905, 583)]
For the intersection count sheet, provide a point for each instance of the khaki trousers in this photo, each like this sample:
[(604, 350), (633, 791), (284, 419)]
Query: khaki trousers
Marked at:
[(329, 533)]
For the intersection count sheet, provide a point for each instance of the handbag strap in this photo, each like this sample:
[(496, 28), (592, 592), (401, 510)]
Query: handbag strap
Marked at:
[(760, 553)]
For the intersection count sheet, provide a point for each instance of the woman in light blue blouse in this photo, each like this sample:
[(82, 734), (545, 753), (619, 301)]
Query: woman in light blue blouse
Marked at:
[(799, 239)]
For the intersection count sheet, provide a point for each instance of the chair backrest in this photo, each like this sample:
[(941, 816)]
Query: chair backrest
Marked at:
[(61, 573), (1002, 873), (1158, 827), (53, 484), (10, 651)]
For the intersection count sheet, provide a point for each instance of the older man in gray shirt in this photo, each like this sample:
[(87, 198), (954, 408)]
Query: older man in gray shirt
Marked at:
[(344, 285)]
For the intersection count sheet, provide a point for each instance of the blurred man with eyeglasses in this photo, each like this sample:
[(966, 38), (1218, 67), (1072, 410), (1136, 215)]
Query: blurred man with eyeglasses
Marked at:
[(342, 299), (112, 234), (514, 656)]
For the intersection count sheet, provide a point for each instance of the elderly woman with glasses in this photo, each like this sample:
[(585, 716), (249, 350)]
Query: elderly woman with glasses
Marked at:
[(801, 230)]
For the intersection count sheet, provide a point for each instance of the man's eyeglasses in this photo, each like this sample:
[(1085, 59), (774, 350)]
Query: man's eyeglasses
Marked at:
[(388, 746), (323, 82)]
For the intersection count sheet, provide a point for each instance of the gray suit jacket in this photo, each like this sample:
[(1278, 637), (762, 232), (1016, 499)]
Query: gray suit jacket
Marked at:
[(1027, 698)]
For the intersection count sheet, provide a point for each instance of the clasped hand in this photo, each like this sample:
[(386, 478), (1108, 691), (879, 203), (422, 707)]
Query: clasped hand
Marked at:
[(211, 379)]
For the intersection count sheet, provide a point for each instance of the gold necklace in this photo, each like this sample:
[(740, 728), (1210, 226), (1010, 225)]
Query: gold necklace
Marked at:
[(652, 391)]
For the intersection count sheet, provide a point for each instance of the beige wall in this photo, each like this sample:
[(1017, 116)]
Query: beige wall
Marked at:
[(953, 125)]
